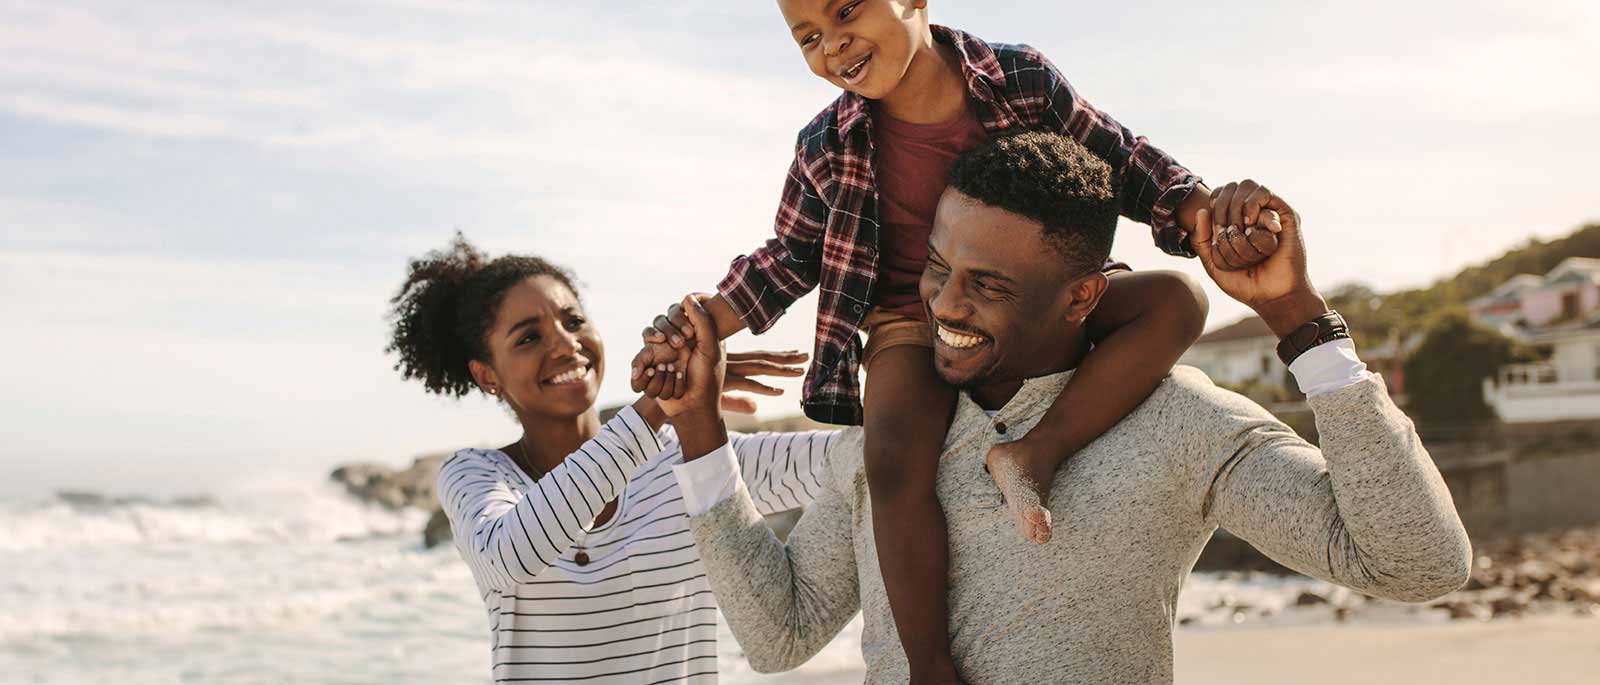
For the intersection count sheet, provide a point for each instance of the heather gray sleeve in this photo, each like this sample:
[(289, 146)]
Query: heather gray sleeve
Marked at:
[(784, 602), (1368, 510)]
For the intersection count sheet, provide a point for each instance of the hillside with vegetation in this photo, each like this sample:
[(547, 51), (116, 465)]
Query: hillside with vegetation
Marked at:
[(1375, 315), (1445, 373)]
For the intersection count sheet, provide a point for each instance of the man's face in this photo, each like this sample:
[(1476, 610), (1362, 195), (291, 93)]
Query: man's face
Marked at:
[(863, 46), (1001, 300)]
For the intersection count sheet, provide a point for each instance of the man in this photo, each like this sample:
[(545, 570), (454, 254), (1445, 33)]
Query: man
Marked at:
[(1095, 605)]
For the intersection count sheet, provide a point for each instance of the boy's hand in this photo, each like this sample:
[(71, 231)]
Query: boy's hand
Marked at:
[(674, 327), (1241, 236), (658, 371), (1279, 289)]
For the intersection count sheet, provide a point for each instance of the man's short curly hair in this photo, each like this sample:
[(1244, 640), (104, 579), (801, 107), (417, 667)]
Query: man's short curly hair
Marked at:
[(446, 306), (1051, 179)]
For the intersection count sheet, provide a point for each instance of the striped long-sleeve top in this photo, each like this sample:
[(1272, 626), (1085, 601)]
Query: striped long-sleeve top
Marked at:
[(640, 609)]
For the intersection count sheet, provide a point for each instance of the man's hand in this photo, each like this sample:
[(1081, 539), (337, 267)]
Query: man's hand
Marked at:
[(1279, 289), (1240, 238)]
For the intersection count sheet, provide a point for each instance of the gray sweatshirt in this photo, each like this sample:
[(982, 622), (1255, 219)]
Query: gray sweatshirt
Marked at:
[(1132, 512)]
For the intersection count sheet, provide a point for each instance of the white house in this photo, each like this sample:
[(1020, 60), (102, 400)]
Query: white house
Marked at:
[(1563, 388), (1560, 312), (1247, 351), (1238, 353)]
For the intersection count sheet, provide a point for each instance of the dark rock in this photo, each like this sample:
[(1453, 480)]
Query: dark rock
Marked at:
[(438, 530), (1308, 598)]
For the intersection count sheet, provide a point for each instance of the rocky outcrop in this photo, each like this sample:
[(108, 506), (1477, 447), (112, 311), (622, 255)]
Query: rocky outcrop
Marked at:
[(1521, 574), (408, 488)]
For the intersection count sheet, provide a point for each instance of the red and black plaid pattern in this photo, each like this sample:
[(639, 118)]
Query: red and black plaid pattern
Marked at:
[(827, 223)]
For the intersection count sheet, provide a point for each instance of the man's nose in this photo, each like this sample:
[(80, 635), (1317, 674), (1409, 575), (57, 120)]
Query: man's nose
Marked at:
[(947, 302)]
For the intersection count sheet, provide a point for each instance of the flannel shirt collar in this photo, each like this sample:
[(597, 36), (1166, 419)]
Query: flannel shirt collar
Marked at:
[(978, 64)]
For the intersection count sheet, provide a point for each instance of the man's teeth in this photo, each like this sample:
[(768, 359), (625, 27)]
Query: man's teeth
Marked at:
[(957, 340), (570, 376)]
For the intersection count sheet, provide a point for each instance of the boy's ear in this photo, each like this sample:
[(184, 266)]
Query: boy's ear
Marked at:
[(1084, 295), (487, 380)]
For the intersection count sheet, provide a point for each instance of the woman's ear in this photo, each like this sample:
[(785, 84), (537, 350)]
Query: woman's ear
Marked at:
[(1084, 296), (487, 380)]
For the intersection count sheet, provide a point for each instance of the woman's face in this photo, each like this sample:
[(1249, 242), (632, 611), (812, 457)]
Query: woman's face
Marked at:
[(546, 357)]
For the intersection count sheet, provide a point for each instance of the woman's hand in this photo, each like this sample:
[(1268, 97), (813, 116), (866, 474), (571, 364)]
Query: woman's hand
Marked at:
[(745, 366), (707, 365)]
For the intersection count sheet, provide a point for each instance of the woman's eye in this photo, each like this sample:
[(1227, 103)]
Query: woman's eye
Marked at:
[(529, 339), (575, 324)]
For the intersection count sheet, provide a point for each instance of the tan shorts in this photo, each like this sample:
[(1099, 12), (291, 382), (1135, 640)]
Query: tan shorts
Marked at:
[(889, 329)]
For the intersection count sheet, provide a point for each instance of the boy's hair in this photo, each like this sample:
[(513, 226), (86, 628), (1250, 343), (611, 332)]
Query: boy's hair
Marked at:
[(1051, 179), (446, 306)]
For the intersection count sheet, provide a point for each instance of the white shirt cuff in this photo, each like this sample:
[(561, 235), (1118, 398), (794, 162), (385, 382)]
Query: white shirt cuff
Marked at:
[(707, 481), (1328, 367)]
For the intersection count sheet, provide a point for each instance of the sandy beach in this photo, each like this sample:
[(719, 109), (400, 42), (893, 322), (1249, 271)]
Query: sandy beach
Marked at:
[(1552, 649)]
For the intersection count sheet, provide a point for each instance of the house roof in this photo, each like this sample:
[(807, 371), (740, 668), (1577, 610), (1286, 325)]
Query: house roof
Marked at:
[(1509, 292), (1243, 329)]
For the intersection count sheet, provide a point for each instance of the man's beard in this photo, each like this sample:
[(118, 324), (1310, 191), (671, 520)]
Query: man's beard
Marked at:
[(978, 379)]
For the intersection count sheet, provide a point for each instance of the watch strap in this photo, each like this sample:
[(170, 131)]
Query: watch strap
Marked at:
[(1322, 329)]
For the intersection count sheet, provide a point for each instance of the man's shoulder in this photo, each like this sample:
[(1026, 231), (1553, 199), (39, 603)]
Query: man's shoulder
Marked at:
[(845, 458), (1189, 397)]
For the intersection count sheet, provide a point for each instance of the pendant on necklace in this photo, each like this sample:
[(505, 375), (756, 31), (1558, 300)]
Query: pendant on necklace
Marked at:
[(581, 558)]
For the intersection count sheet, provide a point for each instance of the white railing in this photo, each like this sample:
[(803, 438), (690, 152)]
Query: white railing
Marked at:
[(1529, 374)]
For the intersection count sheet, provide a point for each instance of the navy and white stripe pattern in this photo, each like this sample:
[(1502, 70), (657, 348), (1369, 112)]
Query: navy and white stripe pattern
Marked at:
[(640, 610)]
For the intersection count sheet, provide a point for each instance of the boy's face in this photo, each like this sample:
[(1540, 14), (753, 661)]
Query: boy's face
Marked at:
[(863, 46)]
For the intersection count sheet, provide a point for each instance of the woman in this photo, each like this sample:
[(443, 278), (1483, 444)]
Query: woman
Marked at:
[(576, 532)]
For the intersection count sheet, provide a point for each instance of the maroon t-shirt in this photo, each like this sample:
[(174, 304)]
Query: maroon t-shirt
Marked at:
[(912, 162)]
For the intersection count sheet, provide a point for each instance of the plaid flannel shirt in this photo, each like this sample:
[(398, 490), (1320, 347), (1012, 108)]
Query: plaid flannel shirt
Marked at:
[(827, 223)]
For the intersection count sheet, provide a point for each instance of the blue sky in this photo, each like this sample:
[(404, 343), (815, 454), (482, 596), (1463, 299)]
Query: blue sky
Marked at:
[(205, 206)]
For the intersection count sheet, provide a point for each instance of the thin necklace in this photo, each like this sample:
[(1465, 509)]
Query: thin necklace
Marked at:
[(580, 557)]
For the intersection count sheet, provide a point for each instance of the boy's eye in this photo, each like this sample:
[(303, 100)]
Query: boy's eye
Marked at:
[(809, 39), (848, 10)]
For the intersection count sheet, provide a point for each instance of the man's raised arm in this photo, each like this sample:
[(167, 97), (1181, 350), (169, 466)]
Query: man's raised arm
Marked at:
[(1368, 510), (783, 602)]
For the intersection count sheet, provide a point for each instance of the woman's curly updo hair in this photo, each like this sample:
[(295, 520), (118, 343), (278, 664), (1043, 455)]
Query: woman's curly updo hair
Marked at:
[(446, 306)]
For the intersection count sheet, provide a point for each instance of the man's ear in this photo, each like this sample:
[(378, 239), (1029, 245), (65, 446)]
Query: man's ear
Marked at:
[(1084, 295), (487, 380)]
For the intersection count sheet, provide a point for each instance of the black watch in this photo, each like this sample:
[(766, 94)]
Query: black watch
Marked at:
[(1325, 328)]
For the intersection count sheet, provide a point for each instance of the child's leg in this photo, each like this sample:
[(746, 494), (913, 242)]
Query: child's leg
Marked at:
[(908, 412)]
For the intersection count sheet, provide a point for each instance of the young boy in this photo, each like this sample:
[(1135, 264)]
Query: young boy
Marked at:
[(855, 217)]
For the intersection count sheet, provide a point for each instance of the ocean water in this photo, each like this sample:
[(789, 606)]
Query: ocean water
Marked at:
[(300, 585), (281, 585)]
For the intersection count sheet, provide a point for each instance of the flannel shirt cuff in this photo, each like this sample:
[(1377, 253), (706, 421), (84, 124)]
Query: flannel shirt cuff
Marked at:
[(1172, 238), (743, 288)]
